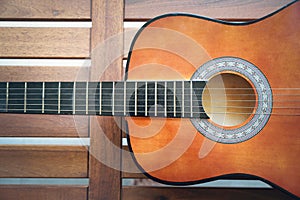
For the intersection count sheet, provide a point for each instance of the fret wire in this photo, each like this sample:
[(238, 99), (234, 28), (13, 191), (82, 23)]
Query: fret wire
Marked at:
[(100, 98), (113, 99), (165, 98), (74, 97), (43, 97), (191, 98), (87, 98), (7, 95), (174, 98), (124, 98), (25, 96), (59, 88), (135, 98), (182, 99), (146, 98), (155, 98)]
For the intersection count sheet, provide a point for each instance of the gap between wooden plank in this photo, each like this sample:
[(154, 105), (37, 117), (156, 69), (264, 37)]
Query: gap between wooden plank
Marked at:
[(45, 181), (46, 62), (211, 184), (44, 141)]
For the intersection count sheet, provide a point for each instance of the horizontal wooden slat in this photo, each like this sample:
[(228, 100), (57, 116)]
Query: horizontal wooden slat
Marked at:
[(43, 161), (42, 73), (229, 9), (44, 42), (46, 9), (43, 125), (10, 192), (176, 193)]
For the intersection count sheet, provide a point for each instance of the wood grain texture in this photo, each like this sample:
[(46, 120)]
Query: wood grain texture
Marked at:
[(130, 170), (273, 46), (43, 73), (44, 42), (46, 9), (13, 192), (228, 9), (105, 154), (129, 34), (43, 161), (43, 125), (176, 193)]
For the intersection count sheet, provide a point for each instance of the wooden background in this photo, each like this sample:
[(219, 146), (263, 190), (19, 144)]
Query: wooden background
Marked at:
[(108, 17)]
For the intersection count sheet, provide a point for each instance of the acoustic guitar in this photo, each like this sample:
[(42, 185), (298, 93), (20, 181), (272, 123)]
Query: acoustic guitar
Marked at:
[(202, 98)]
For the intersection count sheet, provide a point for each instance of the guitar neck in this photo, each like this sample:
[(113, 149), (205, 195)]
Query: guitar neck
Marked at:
[(123, 98)]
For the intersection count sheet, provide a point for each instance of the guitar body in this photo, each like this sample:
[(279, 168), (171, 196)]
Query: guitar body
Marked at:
[(174, 47)]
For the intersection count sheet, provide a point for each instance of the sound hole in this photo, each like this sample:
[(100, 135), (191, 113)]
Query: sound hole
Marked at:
[(229, 100)]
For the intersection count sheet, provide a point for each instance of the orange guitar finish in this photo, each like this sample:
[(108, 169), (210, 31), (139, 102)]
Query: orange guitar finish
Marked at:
[(172, 48)]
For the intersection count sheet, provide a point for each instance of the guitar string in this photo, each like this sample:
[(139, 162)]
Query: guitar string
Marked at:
[(290, 104), (83, 92), (150, 113), (120, 105), (120, 110), (159, 88), (48, 98), (216, 98), (138, 94), (37, 102), (28, 99), (152, 100), (3, 89)]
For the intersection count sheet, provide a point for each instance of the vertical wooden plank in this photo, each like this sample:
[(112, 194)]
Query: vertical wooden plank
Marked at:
[(106, 50)]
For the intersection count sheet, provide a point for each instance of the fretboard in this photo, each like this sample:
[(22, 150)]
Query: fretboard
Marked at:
[(173, 99)]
